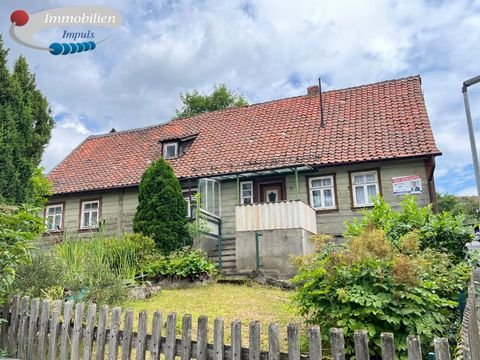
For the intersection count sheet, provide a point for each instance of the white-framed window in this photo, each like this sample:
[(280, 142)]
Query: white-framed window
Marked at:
[(170, 150), (54, 217), (246, 192), (210, 190), (90, 214), (322, 192), (364, 187), (189, 206)]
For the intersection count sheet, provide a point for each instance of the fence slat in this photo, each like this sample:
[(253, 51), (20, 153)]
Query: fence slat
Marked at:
[(114, 335), (388, 346), (43, 331), (77, 332), (293, 342), (273, 343), (156, 339), (314, 343), (170, 336), (442, 350), (186, 337), (218, 339), (32, 328), (141, 335), (337, 342), (360, 339), (12, 331), (236, 340), (101, 332), (254, 340), (54, 329), (202, 338), (88, 334), (4, 325), (127, 335), (65, 336), (23, 331), (414, 348)]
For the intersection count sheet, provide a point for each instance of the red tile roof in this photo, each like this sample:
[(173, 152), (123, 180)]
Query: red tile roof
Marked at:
[(386, 120)]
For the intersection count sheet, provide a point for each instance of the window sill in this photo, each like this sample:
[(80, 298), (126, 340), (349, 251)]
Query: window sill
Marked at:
[(92, 229), (53, 233), (326, 211), (361, 207)]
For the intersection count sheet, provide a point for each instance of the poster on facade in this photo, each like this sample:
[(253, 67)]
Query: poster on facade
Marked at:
[(411, 184)]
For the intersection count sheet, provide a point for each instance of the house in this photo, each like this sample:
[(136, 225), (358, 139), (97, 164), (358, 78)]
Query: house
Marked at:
[(270, 174)]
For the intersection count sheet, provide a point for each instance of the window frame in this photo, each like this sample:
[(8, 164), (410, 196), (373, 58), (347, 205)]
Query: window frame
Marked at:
[(310, 189), (377, 183), (81, 215), (165, 145), (205, 197), (250, 182), (62, 216)]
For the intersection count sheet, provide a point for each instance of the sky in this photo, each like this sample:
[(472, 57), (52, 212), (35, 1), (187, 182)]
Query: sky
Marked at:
[(264, 50)]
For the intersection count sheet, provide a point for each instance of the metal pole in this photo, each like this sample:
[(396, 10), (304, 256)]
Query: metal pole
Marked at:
[(238, 190), (297, 186), (257, 249), (471, 133), (220, 265)]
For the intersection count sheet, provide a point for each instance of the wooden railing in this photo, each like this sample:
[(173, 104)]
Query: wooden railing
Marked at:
[(469, 345), (36, 330), (293, 214)]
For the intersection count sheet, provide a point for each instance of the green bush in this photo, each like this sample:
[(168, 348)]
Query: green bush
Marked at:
[(42, 276), (369, 283), (444, 232), (186, 263), (161, 211)]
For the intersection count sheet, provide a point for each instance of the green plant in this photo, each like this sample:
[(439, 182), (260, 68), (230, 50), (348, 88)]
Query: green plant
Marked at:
[(161, 211), (444, 231), (370, 283), (186, 263), (42, 276)]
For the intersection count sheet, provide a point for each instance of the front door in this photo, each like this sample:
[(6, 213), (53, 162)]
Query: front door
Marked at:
[(271, 192)]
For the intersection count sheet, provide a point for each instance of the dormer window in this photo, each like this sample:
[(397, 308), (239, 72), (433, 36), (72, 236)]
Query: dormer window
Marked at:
[(170, 150)]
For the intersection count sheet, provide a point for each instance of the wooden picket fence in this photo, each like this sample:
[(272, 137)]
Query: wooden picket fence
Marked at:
[(36, 330)]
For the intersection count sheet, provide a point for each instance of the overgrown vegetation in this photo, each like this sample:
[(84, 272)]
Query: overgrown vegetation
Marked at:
[(444, 231), (161, 211), (398, 272), (460, 205), (186, 263)]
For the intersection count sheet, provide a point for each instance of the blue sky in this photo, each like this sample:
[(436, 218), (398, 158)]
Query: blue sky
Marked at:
[(264, 50)]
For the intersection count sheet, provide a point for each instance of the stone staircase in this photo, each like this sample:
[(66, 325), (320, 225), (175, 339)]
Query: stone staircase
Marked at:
[(229, 262)]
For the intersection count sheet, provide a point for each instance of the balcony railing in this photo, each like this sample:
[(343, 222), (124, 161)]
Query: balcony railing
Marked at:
[(293, 214)]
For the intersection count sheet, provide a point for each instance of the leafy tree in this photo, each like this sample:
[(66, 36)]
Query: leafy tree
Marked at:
[(25, 129), (161, 211), (444, 232), (195, 103), (460, 205)]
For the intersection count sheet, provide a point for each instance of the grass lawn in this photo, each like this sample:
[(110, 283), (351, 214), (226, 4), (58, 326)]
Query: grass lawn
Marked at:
[(232, 302)]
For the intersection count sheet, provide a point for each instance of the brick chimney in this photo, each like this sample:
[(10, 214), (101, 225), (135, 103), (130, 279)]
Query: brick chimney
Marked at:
[(313, 90)]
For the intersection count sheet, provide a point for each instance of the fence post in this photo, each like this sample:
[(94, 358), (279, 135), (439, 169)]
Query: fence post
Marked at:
[(186, 337), (4, 325), (114, 334), (414, 348), (65, 338), (54, 329), (273, 343), (156, 339), (293, 342), (360, 338), (141, 336), (254, 340), (170, 338), (77, 331), (202, 339), (13, 329), (337, 342), (236, 340), (442, 351), (218, 339), (101, 332), (88, 335), (43, 331), (314, 343), (23, 331), (388, 346)]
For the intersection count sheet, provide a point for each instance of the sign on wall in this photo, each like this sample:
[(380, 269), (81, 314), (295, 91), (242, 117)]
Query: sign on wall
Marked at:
[(411, 184)]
